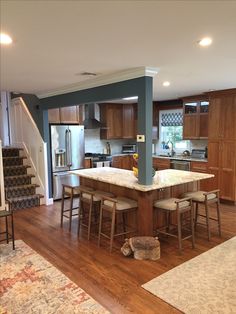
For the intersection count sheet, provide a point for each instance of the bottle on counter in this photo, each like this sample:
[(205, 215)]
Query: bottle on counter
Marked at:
[(108, 148)]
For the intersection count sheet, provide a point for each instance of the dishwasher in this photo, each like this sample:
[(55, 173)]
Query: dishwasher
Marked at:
[(180, 164)]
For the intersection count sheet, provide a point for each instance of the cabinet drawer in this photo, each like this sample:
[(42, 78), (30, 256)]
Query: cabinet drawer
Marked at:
[(199, 166)]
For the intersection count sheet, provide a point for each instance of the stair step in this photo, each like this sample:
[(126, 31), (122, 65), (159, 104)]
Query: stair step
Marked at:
[(18, 180), (15, 170), (21, 190), (24, 201), (13, 161), (11, 151)]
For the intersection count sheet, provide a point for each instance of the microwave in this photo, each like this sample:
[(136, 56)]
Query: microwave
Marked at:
[(129, 148)]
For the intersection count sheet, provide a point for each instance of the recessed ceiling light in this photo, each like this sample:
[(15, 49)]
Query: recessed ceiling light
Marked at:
[(204, 42), (166, 83), (5, 39), (130, 98)]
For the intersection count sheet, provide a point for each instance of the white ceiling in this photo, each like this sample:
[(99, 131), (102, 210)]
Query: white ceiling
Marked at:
[(54, 41)]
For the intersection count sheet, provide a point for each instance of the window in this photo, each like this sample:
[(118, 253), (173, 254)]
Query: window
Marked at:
[(171, 130)]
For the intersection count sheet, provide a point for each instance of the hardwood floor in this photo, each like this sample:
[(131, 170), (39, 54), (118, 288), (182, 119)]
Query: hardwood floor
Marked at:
[(110, 278)]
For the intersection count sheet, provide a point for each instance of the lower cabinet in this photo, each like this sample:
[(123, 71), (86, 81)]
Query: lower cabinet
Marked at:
[(88, 163), (202, 167), (161, 163), (222, 163), (123, 162)]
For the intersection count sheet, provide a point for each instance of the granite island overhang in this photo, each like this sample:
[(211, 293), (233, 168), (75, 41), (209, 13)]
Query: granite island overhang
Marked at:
[(166, 183)]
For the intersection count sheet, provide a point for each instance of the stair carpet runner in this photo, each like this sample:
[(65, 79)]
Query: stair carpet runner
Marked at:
[(19, 191)]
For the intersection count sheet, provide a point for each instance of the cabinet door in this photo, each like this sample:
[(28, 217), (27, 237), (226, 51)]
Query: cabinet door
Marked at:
[(190, 126), (201, 167), (228, 117), (116, 162), (203, 125), (68, 114), (112, 118), (126, 162), (128, 121), (227, 170), (214, 119), (80, 114), (54, 115), (88, 163), (214, 163)]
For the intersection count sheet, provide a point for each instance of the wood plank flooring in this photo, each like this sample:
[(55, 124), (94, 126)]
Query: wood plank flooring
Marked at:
[(110, 278)]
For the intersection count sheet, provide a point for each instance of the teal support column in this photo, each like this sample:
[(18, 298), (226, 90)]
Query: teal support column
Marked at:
[(145, 112)]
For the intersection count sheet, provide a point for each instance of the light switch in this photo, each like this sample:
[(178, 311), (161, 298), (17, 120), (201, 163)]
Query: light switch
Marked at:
[(141, 138)]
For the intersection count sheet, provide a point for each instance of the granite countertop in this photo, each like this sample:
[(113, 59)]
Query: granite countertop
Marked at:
[(126, 178), (180, 157), (176, 157)]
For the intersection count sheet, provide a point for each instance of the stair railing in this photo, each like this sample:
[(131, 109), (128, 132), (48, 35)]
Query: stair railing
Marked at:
[(25, 134), (2, 191)]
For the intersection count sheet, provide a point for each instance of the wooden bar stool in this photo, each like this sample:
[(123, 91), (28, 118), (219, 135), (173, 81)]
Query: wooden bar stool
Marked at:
[(206, 198), (118, 205), (93, 200), (181, 206), (73, 191), (5, 214)]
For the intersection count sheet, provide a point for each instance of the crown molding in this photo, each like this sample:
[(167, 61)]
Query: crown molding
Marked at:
[(102, 80)]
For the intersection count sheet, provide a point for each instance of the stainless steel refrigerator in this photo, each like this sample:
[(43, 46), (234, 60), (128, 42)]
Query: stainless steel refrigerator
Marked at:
[(67, 149)]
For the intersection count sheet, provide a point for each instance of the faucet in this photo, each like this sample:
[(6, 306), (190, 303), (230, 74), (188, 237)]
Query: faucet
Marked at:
[(172, 152)]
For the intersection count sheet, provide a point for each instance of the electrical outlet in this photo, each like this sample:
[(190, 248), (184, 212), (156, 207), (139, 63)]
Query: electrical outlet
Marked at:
[(141, 138)]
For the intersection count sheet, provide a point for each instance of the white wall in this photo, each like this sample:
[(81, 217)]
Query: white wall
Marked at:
[(93, 143), (4, 127)]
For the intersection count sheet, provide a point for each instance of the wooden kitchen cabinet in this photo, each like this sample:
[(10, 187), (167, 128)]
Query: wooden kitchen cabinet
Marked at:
[(161, 163), (195, 118), (123, 162), (111, 116), (54, 115), (221, 163), (202, 167), (63, 115), (129, 121), (87, 163), (222, 117), (69, 114), (222, 142)]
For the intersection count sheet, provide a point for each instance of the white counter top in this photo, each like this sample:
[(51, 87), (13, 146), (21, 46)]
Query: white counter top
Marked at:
[(126, 178)]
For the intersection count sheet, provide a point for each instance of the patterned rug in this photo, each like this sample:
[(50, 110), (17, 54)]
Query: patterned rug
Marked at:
[(30, 284), (206, 284)]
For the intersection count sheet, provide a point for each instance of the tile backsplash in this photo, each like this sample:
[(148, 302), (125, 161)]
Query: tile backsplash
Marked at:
[(93, 143)]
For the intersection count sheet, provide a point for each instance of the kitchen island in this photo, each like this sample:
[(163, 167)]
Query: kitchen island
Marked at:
[(166, 183)]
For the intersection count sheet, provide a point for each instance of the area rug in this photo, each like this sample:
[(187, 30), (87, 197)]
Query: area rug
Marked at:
[(205, 284), (30, 284)]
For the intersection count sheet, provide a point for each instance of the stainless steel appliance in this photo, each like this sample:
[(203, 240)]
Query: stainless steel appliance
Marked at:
[(67, 149), (198, 153), (180, 164), (99, 160), (129, 148)]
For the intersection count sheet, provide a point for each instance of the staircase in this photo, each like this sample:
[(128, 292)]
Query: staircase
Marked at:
[(19, 191)]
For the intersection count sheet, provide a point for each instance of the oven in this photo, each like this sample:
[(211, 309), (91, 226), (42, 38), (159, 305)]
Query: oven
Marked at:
[(99, 160), (180, 164)]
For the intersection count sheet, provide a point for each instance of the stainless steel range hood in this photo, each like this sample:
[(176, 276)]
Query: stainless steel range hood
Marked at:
[(90, 121)]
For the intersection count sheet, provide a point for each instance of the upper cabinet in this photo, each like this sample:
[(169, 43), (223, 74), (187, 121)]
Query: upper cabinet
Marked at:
[(195, 125), (119, 120), (222, 117), (69, 114), (64, 115), (54, 115)]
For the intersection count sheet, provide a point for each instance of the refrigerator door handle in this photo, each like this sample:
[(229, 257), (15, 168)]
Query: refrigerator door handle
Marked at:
[(68, 148)]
